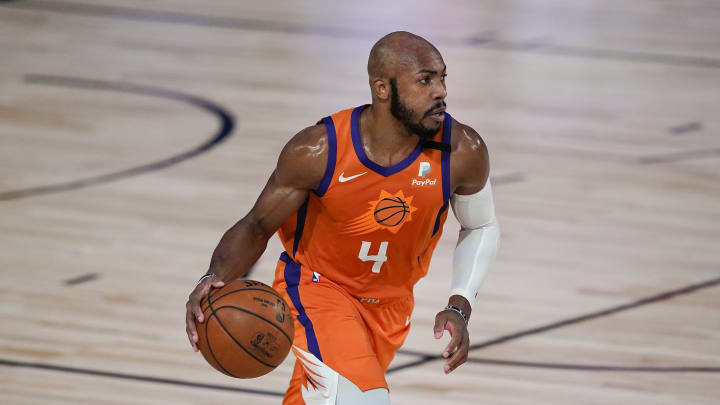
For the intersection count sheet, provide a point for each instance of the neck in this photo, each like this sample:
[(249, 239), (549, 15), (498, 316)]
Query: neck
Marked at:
[(385, 139)]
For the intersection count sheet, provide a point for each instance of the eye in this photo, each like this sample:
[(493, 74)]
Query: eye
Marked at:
[(425, 80), (442, 78)]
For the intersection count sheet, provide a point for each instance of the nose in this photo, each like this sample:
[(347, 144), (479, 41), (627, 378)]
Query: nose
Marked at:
[(439, 90)]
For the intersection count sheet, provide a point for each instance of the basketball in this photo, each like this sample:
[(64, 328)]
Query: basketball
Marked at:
[(390, 211), (248, 329)]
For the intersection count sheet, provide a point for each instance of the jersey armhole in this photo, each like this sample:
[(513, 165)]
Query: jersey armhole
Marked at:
[(332, 156), (445, 168), (445, 159)]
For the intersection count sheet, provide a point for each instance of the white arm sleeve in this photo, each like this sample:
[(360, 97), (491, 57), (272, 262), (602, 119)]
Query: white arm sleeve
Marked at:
[(477, 243)]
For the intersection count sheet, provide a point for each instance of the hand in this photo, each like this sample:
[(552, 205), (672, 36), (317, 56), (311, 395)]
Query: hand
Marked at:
[(457, 350), (193, 310)]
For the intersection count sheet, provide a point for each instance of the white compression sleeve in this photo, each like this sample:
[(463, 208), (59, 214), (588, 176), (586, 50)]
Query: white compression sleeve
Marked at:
[(477, 243)]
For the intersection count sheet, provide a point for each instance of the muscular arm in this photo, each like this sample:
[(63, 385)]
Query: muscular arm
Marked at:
[(477, 242), (470, 163), (299, 170), (470, 170)]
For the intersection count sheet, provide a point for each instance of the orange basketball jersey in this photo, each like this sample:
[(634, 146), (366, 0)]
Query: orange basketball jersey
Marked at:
[(369, 229)]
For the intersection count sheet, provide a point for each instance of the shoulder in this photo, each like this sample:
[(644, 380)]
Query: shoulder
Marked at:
[(470, 162), (465, 140), (311, 142), (304, 157)]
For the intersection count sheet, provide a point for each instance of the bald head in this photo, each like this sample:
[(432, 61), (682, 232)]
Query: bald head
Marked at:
[(397, 50)]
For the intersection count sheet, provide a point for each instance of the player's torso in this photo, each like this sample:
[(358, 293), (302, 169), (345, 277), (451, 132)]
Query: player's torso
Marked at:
[(371, 229)]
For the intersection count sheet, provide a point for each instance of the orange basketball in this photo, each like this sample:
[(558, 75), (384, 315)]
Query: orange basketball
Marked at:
[(248, 329), (391, 211)]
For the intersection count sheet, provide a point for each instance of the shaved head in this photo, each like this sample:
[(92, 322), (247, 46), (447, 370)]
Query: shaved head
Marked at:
[(396, 50)]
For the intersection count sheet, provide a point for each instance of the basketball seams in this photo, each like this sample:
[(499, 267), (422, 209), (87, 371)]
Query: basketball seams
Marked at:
[(243, 289), (259, 316), (221, 331), (207, 338), (273, 292), (217, 318)]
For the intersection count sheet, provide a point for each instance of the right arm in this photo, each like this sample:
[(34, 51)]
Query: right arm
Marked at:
[(299, 170)]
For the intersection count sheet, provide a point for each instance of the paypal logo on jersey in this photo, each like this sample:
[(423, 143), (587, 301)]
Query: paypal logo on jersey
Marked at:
[(424, 169), (422, 172), (422, 183)]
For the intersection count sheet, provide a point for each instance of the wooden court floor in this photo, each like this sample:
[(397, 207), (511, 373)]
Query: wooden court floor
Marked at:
[(133, 133)]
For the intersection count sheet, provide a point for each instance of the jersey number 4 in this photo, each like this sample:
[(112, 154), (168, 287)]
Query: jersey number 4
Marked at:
[(379, 258)]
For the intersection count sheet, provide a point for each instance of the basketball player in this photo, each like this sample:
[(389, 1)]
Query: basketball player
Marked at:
[(359, 201)]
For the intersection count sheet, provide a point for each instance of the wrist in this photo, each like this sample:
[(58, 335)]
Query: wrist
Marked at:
[(206, 276), (457, 311), (461, 303)]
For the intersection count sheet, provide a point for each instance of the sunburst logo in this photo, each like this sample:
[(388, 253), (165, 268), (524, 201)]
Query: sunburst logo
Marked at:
[(389, 211)]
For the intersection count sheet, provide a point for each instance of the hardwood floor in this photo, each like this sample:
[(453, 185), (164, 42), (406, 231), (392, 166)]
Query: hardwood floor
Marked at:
[(133, 133)]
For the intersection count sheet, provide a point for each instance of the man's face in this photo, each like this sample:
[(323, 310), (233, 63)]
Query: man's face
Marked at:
[(421, 106)]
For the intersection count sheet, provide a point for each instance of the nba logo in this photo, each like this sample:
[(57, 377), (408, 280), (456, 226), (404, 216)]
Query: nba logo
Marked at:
[(424, 169), (316, 277)]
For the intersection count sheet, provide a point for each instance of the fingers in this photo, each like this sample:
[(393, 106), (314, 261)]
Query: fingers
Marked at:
[(190, 327), (460, 355), (439, 328), (455, 339), (201, 291), (193, 311), (457, 350), (196, 310)]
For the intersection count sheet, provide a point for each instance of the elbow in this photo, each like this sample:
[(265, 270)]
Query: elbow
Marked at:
[(491, 223), (254, 226)]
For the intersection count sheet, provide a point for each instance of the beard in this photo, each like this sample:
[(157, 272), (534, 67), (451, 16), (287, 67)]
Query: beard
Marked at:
[(404, 114)]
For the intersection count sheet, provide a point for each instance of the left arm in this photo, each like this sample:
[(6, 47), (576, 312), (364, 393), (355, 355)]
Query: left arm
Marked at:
[(473, 207)]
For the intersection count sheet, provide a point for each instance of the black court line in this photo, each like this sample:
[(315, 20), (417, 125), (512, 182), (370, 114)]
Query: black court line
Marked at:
[(534, 46), (687, 127), (678, 156), (595, 367), (133, 377), (173, 17), (81, 279), (426, 358), (225, 117), (613, 54)]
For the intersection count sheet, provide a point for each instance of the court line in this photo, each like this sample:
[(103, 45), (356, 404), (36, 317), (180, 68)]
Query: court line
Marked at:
[(685, 128), (594, 367), (81, 279), (134, 377), (174, 17), (226, 119), (426, 358), (534, 46)]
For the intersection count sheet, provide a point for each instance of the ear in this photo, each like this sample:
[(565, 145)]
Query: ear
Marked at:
[(381, 88)]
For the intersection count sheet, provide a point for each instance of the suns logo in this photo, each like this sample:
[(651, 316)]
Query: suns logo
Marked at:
[(389, 211)]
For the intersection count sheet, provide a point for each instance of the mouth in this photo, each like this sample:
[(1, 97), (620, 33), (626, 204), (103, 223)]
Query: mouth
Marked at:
[(437, 114)]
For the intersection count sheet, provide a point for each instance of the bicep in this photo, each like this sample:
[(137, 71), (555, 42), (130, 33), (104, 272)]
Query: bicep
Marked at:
[(470, 163), (276, 203)]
